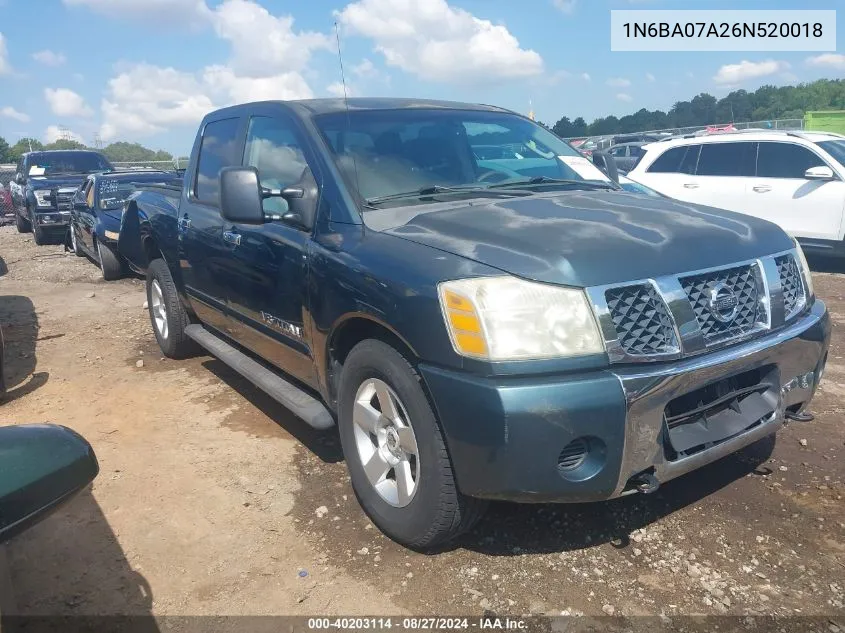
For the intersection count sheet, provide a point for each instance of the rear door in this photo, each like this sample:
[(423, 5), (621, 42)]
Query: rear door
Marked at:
[(267, 276), (203, 256), (721, 176), (85, 217), (781, 193)]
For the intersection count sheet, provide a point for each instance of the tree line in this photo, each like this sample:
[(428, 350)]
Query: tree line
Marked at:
[(116, 152), (764, 104)]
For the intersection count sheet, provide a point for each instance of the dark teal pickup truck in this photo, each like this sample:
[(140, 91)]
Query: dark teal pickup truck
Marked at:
[(479, 324)]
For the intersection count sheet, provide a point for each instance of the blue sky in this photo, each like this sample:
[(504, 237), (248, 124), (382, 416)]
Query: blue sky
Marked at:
[(147, 70)]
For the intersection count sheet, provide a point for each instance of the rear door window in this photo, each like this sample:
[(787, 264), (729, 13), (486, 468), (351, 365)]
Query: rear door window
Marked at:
[(726, 159), (218, 150), (785, 160)]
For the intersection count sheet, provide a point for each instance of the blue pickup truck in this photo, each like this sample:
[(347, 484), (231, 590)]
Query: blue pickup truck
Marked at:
[(478, 324)]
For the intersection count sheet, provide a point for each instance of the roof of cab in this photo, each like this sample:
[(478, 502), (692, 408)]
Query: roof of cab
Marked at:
[(333, 106)]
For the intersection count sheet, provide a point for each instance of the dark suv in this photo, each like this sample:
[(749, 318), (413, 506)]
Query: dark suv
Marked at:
[(44, 185)]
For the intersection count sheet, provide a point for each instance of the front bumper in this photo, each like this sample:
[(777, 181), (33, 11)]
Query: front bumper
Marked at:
[(506, 435)]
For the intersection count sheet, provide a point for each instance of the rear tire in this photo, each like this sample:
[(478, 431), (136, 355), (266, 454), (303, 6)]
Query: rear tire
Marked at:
[(110, 263), (23, 225), (167, 314), (410, 493), (74, 243)]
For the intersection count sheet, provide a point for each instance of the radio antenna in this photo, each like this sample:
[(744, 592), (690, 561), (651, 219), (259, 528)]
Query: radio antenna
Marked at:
[(346, 105)]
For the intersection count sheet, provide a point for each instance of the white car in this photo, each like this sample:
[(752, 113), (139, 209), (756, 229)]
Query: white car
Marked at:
[(795, 179)]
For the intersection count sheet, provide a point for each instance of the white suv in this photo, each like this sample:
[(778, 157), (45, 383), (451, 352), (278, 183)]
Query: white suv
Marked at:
[(795, 179)]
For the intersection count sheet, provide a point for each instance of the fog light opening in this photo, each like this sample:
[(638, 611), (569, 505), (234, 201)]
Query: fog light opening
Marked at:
[(582, 459), (573, 454)]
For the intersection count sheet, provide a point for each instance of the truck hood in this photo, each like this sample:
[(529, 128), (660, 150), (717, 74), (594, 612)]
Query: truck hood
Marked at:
[(585, 238), (49, 182)]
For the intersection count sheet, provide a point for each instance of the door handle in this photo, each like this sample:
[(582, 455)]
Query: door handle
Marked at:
[(230, 237), (762, 188), (690, 185), (184, 223)]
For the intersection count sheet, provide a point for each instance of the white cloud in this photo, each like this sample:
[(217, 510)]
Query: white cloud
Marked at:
[(732, 74), (567, 6), (586, 77), (619, 82), (437, 42), (365, 69), (147, 99), (624, 97), (49, 58), (53, 133), (10, 113), (5, 68), (64, 102), (650, 77), (238, 89), (335, 89), (278, 48), (165, 12), (827, 60)]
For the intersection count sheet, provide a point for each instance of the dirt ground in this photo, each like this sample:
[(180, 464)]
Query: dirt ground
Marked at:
[(210, 497)]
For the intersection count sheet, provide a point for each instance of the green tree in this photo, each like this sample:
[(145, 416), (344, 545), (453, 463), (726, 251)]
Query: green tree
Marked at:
[(122, 151), (65, 144), (4, 151), (22, 146)]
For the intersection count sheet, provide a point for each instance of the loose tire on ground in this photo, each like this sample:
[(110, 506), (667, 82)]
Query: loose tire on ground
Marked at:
[(437, 512), (110, 263), (167, 314)]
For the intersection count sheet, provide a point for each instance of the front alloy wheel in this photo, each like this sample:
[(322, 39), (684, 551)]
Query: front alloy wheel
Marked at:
[(386, 442), (158, 309)]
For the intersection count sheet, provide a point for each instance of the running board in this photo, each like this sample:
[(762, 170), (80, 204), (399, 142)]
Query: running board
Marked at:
[(291, 397)]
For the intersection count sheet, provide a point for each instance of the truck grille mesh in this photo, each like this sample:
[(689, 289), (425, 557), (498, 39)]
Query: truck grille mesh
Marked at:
[(743, 282), (641, 320), (794, 298)]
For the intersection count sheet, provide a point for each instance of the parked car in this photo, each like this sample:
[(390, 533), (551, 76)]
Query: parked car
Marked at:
[(44, 185), (638, 138), (796, 179), (95, 215), (513, 329), (44, 466), (626, 155)]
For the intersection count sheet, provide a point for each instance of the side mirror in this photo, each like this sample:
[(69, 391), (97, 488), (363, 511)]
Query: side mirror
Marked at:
[(240, 195), (80, 205), (44, 465), (822, 172), (605, 162)]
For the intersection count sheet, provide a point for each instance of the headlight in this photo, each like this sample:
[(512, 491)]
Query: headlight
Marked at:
[(805, 270), (112, 235), (42, 197), (505, 318)]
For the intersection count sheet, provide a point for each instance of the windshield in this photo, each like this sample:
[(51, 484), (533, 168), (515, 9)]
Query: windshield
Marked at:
[(51, 164), (835, 149), (387, 153), (113, 192)]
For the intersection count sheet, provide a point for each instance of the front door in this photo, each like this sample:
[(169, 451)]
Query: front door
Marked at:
[(202, 252), (267, 280), (780, 192)]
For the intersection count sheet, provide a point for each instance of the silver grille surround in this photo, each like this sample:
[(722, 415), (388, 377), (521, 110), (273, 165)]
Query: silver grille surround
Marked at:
[(690, 338)]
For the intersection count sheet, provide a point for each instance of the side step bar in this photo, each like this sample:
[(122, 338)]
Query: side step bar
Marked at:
[(289, 396)]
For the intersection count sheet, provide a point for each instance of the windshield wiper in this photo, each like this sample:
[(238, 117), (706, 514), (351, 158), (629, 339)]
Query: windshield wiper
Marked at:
[(545, 180), (433, 190)]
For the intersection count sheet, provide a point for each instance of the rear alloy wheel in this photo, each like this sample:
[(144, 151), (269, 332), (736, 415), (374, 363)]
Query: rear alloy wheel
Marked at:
[(109, 262), (74, 244), (397, 460)]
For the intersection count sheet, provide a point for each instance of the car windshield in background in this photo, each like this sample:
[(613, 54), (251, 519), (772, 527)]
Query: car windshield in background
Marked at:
[(113, 192), (51, 164), (422, 152), (835, 149)]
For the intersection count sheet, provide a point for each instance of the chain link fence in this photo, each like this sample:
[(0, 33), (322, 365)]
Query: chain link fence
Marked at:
[(7, 174), (606, 140)]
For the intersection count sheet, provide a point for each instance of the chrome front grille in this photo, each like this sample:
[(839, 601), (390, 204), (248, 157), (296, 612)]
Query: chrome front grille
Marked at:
[(641, 319), (794, 298), (687, 314), (742, 281)]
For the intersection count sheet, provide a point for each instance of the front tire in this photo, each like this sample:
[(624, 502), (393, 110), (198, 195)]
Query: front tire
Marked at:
[(23, 225), (395, 453), (38, 234), (110, 264), (167, 314)]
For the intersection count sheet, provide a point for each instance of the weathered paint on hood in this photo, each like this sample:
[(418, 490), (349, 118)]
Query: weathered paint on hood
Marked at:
[(585, 238)]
